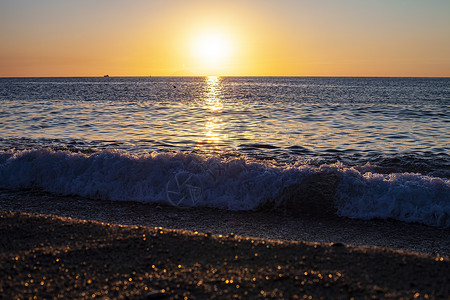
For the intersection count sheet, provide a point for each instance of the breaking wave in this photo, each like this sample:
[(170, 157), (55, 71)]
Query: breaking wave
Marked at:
[(235, 184)]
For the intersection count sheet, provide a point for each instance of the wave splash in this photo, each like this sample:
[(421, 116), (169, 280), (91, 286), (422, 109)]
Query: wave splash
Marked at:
[(235, 184)]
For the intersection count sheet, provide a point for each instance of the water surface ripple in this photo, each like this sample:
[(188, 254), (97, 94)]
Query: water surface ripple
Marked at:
[(392, 122)]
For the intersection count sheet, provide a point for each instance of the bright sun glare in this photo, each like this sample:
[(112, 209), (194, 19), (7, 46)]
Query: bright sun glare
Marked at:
[(212, 48)]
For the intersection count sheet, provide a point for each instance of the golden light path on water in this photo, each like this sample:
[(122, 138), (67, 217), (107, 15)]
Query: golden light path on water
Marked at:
[(214, 124)]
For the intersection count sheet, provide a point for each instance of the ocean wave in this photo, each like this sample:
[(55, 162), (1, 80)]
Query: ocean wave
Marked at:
[(236, 183), (407, 197)]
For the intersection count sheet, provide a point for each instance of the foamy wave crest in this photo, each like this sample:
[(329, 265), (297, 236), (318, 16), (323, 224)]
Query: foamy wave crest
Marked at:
[(403, 196), (235, 184), (178, 179)]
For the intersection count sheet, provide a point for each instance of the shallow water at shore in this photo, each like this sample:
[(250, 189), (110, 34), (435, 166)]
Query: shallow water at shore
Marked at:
[(189, 180), (263, 224)]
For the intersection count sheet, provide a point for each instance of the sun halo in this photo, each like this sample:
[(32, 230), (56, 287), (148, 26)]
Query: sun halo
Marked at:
[(212, 49)]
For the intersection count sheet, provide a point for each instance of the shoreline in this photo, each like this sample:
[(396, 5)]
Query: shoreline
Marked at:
[(260, 224), (51, 256)]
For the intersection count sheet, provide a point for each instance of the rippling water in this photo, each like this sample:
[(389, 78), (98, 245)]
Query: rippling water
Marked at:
[(325, 119), (384, 128)]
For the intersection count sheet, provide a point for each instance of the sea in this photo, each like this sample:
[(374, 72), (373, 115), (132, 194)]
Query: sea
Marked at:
[(233, 143)]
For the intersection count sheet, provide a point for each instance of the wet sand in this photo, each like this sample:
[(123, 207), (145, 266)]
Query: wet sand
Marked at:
[(262, 224), (55, 257)]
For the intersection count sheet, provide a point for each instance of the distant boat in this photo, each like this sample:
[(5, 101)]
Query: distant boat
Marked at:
[(106, 75)]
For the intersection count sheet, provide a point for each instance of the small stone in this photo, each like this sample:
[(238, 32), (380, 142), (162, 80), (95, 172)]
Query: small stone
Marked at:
[(155, 295)]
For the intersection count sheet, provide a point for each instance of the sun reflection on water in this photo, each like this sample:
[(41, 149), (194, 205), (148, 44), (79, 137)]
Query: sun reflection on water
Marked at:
[(214, 124), (212, 130), (212, 100)]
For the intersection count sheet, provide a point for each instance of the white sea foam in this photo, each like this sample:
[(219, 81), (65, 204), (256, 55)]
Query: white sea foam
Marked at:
[(236, 184), (402, 196)]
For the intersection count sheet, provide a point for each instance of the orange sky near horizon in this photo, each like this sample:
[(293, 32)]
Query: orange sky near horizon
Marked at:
[(226, 38)]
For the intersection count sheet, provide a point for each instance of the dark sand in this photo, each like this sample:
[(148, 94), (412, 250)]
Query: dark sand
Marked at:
[(54, 257), (69, 257), (270, 225)]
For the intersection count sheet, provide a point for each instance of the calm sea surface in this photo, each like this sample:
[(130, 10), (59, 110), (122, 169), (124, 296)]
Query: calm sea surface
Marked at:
[(392, 125)]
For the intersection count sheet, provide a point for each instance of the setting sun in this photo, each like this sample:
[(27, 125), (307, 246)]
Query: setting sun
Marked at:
[(211, 51), (212, 48)]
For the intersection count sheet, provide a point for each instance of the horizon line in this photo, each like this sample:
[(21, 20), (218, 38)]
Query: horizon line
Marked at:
[(149, 76)]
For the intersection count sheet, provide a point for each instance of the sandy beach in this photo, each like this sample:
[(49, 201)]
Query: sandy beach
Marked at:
[(70, 257), (54, 257)]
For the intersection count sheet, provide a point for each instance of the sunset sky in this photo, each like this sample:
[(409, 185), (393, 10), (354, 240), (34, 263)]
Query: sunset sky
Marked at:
[(243, 38)]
